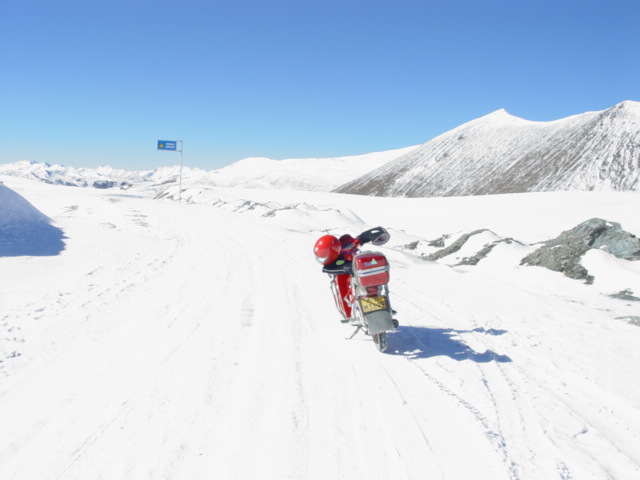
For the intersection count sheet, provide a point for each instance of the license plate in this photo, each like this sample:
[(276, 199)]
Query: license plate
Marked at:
[(373, 304)]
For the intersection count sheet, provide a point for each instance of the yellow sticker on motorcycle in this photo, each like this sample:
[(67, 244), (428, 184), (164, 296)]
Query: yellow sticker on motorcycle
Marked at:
[(373, 304)]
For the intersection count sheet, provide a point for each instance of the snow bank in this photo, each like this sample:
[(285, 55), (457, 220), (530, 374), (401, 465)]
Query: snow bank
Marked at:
[(612, 274), (24, 230), (15, 210)]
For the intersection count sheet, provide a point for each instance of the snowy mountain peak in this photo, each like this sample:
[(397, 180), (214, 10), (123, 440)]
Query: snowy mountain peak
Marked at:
[(500, 153), (627, 106), (498, 114), (624, 111)]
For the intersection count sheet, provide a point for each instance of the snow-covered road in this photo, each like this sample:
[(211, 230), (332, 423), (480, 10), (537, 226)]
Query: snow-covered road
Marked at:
[(193, 341)]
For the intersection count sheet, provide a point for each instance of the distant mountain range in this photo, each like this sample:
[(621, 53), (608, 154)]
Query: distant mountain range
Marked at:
[(497, 153), (315, 174), (500, 153)]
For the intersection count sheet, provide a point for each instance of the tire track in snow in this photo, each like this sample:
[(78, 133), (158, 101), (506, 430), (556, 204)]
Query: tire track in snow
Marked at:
[(128, 367), (264, 401), (577, 420), (528, 412), (491, 430)]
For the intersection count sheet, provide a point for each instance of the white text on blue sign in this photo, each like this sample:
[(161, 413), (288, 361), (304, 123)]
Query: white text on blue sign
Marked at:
[(167, 145)]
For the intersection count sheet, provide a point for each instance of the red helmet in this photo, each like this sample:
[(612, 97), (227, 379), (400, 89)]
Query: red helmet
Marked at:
[(327, 249)]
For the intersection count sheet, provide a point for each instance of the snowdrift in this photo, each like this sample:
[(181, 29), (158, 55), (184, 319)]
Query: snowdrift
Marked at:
[(24, 230)]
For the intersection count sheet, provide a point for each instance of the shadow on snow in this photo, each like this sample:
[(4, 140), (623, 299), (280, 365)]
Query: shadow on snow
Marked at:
[(31, 240), (422, 342)]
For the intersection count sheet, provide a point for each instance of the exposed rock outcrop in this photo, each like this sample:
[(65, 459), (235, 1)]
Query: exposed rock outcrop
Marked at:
[(563, 253)]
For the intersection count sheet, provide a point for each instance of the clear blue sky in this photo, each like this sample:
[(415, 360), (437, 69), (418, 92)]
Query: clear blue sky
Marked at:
[(96, 82)]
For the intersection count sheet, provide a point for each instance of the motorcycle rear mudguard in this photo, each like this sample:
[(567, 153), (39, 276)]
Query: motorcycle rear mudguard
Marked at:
[(379, 321)]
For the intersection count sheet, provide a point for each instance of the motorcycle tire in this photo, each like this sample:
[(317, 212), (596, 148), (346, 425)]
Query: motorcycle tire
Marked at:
[(380, 339)]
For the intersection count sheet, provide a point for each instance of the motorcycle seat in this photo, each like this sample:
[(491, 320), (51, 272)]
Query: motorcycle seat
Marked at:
[(338, 267)]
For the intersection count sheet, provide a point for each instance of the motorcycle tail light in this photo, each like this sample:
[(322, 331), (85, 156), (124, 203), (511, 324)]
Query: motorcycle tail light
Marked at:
[(372, 290)]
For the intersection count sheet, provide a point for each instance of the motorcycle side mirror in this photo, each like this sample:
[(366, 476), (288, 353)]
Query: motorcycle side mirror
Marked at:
[(377, 236), (381, 239)]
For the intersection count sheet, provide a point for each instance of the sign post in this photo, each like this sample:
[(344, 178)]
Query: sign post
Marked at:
[(172, 146)]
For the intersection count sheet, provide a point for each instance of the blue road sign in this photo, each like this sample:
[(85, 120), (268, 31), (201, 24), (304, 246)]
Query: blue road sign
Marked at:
[(167, 145)]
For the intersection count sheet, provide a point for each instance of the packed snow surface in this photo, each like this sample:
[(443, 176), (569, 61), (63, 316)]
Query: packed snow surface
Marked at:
[(199, 340)]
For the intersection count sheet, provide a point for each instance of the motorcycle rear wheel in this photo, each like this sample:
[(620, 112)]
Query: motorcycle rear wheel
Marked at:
[(380, 339)]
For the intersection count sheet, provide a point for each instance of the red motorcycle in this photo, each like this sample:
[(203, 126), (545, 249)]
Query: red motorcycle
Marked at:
[(359, 282)]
